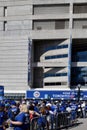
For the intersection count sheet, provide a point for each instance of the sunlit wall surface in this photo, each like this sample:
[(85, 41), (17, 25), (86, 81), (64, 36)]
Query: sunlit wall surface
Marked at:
[(51, 26)]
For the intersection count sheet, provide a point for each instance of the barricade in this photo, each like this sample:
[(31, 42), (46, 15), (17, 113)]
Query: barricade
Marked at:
[(60, 120), (33, 124), (38, 123), (63, 120)]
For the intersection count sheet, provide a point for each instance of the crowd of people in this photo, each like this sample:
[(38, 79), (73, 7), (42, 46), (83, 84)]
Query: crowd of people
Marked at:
[(17, 115)]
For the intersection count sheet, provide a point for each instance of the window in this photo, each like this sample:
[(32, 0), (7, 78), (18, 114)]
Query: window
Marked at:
[(53, 84), (61, 24), (80, 8), (56, 56), (82, 56), (56, 47), (79, 75), (5, 11), (55, 74), (5, 26), (84, 26), (39, 28)]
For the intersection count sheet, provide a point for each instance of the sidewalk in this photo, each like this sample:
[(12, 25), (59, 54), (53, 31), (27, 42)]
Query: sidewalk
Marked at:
[(81, 125)]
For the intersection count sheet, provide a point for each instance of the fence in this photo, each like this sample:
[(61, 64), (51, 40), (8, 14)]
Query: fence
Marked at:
[(52, 122)]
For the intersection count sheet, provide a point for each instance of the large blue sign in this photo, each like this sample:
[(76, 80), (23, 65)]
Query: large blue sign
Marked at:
[(56, 94), (83, 95)]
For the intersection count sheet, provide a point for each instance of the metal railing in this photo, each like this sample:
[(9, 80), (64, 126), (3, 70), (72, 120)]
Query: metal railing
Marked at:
[(55, 122)]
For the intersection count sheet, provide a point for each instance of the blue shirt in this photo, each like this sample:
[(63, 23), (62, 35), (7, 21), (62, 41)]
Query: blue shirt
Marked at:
[(1, 119), (27, 121), (21, 118), (12, 113), (74, 107), (62, 109)]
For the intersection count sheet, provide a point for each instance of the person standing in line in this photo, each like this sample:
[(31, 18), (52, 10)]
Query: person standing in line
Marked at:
[(83, 106), (12, 112), (32, 112), (3, 124), (27, 117), (21, 120)]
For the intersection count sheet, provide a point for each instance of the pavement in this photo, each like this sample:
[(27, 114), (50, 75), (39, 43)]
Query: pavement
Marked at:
[(80, 125)]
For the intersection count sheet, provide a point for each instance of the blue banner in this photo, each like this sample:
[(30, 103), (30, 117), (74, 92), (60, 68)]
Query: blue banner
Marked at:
[(56, 94), (1, 92), (46, 94)]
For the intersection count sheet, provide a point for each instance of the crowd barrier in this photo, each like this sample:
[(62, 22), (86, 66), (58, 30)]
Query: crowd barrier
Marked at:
[(60, 120), (63, 120), (34, 124)]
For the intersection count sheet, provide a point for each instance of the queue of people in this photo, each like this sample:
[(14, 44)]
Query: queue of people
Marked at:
[(18, 115)]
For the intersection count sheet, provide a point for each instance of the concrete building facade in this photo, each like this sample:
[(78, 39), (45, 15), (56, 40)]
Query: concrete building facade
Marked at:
[(57, 31)]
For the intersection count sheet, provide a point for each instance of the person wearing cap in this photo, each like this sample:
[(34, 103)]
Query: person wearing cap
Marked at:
[(13, 111)]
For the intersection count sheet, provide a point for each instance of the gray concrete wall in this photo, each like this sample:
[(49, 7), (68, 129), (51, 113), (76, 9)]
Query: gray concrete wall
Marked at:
[(1, 11), (19, 18), (19, 10), (19, 25), (15, 26), (14, 63)]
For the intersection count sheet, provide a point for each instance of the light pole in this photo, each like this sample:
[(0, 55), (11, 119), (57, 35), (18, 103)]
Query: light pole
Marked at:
[(79, 86)]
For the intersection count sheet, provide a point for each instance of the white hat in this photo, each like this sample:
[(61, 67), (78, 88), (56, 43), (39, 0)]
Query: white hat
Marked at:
[(48, 104)]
